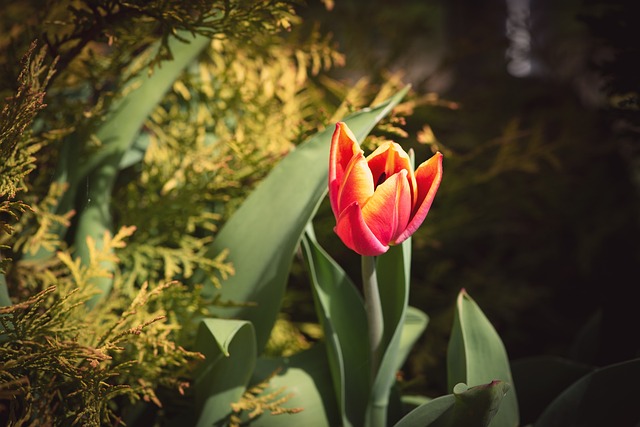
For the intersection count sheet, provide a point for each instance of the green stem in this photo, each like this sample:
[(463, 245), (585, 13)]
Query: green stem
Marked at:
[(377, 415), (374, 311)]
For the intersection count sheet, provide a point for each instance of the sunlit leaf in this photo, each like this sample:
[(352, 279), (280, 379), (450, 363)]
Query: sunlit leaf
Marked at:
[(415, 323), (117, 134), (5, 300), (477, 356), (306, 380), (341, 312), (466, 407), (264, 232), (393, 271), (229, 348)]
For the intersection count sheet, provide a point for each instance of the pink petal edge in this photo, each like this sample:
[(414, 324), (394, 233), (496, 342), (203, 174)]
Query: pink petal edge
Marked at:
[(343, 147), (424, 204)]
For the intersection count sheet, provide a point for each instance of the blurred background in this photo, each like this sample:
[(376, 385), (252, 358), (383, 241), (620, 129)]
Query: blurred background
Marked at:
[(535, 105)]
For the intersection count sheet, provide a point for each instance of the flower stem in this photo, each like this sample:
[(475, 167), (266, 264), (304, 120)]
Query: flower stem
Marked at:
[(374, 311), (377, 414)]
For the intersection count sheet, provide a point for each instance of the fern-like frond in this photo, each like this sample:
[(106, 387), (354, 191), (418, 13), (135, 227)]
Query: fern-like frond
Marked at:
[(17, 149), (61, 362), (256, 401)]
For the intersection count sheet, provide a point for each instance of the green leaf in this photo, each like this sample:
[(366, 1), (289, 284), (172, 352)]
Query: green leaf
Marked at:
[(415, 323), (542, 379), (229, 347), (477, 406), (264, 232), (5, 300), (466, 407), (477, 356), (608, 396), (393, 271), (96, 174), (306, 378), (412, 401), (127, 115), (118, 133), (137, 151), (341, 312), (428, 413)]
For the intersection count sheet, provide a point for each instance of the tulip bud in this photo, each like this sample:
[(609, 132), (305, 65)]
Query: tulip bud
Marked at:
[(378, 200)]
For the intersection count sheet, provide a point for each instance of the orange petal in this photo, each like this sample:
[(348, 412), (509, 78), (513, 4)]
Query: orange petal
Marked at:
[(343, 147), (357, 183), (428, 178), (355, 234), (387, 212), (390, 158)]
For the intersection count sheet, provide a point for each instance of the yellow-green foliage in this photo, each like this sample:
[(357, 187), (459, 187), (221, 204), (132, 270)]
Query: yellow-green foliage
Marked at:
[(247, 101), (17, 143), (65, 364), (17, 147), (218, 132)]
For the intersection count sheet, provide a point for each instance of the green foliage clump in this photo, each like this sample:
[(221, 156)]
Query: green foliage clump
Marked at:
[(67, 358), (64, 364), (17, 143), (17, 147), (215, 135)]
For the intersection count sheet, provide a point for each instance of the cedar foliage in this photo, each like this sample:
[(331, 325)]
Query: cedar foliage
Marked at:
[(247, 100)]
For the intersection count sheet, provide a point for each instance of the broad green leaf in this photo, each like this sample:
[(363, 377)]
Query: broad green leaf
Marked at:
[(393, 271), (341, 312), (415, 323), (477, 356), (5, 300), (540, 380), (136, 153), (428, 413), (477, 406), (412, 401), (608, 396), (117, 134), (127, 115), (466, 407), (264, 232), (229, 348), (306, 379), (95, 175)]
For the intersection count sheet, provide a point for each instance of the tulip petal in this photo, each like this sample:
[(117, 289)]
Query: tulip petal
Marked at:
[(428, 177), (387, 212), (355, 234), (388, 159), (357, 183), (343, 147)]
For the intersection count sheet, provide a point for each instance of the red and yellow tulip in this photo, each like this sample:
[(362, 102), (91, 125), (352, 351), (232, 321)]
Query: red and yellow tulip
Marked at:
[(378, 200)]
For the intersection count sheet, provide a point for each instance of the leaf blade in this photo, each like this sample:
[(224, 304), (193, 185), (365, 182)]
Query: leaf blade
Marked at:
[(342, 314), (606, 396), (230, 357), (477, 356), (263, 234)]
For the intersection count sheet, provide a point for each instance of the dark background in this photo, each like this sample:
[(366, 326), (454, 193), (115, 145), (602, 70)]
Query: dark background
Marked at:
[(537, 213)]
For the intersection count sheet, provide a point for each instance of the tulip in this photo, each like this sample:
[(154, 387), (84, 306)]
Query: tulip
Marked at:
[(378, 200)]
